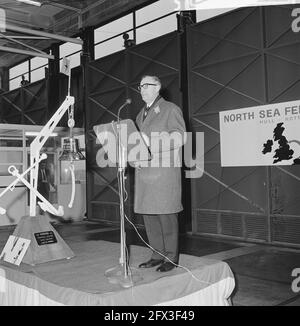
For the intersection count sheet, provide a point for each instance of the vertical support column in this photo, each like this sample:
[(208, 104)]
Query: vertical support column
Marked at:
[(4, 87), (29, 69), (134, 26), (88, 47), (88, 54), (266, 100), (129, 182), (184, 19), (4, 74), (22, 106), (52, 83)]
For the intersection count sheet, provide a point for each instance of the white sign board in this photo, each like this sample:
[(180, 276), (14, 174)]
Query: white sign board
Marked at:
[(266, 135), (15, 250)]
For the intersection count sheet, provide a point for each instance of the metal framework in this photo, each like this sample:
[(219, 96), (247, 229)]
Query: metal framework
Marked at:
[(35, 52)]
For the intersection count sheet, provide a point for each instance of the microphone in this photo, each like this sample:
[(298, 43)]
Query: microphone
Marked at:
[(128, 101)]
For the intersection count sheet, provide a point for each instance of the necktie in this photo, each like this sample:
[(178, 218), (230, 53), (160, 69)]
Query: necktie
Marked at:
[(147, 108)]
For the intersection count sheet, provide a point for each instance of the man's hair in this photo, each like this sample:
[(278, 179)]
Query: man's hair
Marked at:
[(157, 80)]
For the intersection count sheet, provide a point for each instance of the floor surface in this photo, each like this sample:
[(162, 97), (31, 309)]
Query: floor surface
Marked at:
[(263, 273)]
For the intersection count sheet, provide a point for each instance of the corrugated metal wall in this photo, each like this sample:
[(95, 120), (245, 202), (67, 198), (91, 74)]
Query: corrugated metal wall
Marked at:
[(35, 103), (25, 105), (245, 58)]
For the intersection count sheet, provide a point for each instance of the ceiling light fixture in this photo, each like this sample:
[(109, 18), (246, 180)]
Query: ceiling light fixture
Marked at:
[(30, 2)]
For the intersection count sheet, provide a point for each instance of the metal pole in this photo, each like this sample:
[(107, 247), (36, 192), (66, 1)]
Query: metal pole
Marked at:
[(19, 51), (121, 166), (21, 43), (25, 30)]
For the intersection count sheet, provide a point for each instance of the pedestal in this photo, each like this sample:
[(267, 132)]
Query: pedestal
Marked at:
[(46, 244)]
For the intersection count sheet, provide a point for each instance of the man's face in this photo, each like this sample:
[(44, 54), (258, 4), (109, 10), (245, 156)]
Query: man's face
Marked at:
[(149, 92)]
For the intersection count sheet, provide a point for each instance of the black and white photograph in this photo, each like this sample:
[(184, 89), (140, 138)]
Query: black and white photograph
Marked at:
[(150, 155)]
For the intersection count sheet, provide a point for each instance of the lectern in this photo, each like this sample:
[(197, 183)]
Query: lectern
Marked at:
[(123, 144)]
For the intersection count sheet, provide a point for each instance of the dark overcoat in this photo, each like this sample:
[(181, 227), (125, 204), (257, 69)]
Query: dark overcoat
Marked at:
[(43, 187), (158, 185)]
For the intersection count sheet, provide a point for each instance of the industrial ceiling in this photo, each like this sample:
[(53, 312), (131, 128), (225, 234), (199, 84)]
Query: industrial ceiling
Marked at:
[(64, 18)]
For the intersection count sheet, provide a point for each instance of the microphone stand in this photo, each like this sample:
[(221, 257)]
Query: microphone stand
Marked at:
[(121, 274)]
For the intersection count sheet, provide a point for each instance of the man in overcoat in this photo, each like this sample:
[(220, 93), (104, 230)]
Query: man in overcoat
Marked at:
[(44, 180), (158, 181)]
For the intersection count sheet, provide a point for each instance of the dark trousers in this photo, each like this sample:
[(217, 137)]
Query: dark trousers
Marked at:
[(162, 233)]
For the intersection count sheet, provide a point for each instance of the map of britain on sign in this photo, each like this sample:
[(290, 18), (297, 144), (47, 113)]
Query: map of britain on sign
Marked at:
[(283, 152)]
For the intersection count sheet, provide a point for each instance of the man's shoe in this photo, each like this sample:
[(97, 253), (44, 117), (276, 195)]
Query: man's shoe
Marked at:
[(166, 266), (151, 263)]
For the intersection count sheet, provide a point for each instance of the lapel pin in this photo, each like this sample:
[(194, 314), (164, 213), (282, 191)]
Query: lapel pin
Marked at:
[(156, 109)]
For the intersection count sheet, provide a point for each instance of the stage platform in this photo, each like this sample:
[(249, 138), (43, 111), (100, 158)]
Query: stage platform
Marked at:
[(80, 281)]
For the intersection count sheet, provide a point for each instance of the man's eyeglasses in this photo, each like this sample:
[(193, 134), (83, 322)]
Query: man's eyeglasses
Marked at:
[(145, 86)]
